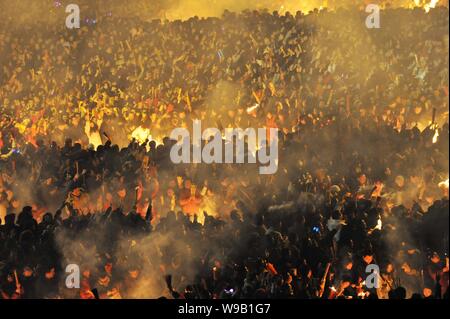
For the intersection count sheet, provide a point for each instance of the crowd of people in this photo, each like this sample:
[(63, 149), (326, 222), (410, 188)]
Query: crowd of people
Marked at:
[(86, 176)]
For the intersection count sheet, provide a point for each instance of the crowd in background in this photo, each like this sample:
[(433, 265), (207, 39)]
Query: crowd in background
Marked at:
[(363, 157)]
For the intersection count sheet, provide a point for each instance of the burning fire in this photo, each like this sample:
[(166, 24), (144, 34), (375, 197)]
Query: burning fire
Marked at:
[(363, 294), (444, 187), (431, 5), (436, 135), (426, 6), (141, 134), (443, 184)]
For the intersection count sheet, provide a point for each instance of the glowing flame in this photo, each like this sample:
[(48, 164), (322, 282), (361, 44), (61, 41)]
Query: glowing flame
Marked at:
[(141, 134), (443, 184), (379, 226), (426, 6), (436, 135), (252, 108), (430, 5)]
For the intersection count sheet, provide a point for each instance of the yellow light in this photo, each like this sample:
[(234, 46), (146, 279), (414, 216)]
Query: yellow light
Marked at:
[(436, 135), (141, 134), (443, 184), (430, 5)]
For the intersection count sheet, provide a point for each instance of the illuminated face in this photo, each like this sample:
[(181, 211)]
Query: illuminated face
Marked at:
[(415, 180), (77, 192), (362, 179), (417, 110), (400, 181), (133, 273), (427, 292), (16, 204), (122, 193), (368, 259), (389, 268), (108, 267), (429, 199), (75, 121), (435, 259), (104, 281), (406, 268), (27, 272), (50, 274)]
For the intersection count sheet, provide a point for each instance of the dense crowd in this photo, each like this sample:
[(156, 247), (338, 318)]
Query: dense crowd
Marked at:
[(363, 157)]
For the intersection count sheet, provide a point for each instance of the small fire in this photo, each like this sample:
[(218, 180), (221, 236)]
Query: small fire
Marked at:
[(252, 108), (436, 135), (443, 184), (378, 226), (426, 6), (362, 294), (430, 5), (141, 134)]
